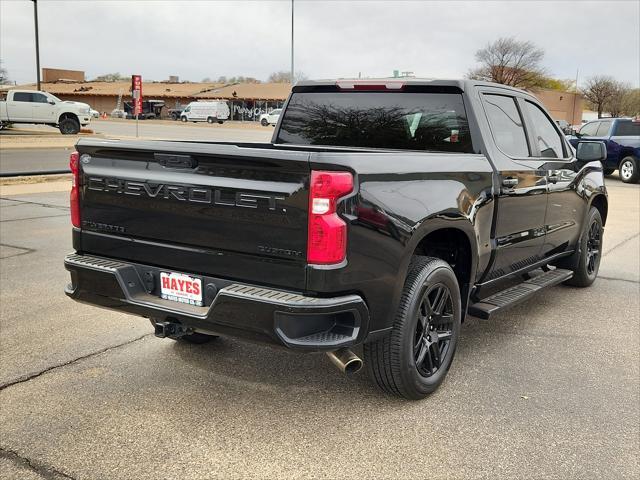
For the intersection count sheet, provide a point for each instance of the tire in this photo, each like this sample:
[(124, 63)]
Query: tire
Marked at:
[(629, 171), (220, 122), (210, 120), (393, 361), (585, 262), (264, 122), (608, 171), (183, 119), (69, 126)]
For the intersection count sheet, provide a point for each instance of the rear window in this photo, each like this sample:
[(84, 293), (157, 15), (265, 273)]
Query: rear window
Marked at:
[(395, 120), (627, 129)]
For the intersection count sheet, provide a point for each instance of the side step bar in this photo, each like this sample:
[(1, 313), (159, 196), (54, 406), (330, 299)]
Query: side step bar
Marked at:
[(518, 293)]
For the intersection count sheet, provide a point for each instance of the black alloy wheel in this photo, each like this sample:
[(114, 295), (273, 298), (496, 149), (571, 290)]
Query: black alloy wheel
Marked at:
[(434, 330), (594, 247)]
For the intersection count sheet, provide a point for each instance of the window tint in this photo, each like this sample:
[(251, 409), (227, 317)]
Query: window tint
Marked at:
[(398, 120), (603, 129), (589, 129), (22, 97), (627, 128), (39, 98), (547, 136), (506, 125)]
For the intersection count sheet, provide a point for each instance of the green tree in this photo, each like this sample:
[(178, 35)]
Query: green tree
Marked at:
[(4, 76), (111, 77)]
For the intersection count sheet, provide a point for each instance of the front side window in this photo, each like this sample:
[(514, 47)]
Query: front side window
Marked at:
[(40, 98), (627, 128), (395, 120), (22, 97), (506, 125), (547, 136), (603, 129), (589, 130)]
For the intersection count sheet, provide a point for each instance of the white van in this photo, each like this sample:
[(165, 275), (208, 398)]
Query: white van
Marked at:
[(216, 111)]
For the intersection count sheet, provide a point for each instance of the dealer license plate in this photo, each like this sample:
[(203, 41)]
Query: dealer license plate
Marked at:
[(181, 288)]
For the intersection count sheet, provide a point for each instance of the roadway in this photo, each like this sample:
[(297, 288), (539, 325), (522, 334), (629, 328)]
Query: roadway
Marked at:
[(548, 389)]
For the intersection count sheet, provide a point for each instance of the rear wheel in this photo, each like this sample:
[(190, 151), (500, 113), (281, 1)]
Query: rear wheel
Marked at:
[(585, 262), (414, 358), (69, 126), (210, 120), (629, 172)]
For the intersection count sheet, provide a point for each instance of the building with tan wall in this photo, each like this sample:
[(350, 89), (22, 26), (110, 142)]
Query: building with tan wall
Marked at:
[(562, 105)]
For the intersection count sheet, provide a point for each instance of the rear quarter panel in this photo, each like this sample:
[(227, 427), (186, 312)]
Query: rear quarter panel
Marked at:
[(400, 197)]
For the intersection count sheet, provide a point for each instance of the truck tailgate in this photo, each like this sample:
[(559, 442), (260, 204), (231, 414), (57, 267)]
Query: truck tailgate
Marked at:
[(218, 209)]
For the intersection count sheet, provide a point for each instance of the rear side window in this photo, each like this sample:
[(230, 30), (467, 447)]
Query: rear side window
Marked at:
[(22, 97), (547, 136), (627, 129), (395, 120), (603, 129), (590, 129), (506, 125)]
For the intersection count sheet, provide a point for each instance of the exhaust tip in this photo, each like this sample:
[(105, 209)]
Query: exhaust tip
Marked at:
[(346, 361)]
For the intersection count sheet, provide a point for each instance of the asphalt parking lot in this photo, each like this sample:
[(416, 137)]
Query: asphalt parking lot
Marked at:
[(549, 389)]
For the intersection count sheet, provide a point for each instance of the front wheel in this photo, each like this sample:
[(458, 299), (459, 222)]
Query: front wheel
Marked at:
[(264, 122), (414, 358), (585, 262), (69, 126), (210, 120), (629, 172), (183, 119)]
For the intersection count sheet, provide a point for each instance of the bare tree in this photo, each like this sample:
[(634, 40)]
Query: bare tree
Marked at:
[(4, 77), (616, 103), (510, 62), (631, 103), (598, 91), (285, 77)]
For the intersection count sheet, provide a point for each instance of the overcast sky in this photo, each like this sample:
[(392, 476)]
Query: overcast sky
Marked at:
[(332, 38)]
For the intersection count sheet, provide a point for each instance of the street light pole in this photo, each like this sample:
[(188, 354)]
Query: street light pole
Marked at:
[(35, 19), (291, 42)]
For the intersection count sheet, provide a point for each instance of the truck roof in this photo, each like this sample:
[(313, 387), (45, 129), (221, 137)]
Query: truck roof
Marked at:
[(462, 84)]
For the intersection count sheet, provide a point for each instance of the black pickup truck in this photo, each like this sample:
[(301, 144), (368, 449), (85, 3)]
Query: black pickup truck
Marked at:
[(381, 214)]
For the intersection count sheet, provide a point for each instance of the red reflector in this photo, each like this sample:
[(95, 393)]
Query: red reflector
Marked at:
[(74, 198), (327, 232)]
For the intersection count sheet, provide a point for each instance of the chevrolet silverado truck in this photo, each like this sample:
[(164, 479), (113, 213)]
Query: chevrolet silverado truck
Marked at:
[(380, 215), (622, 138), (28, 106)]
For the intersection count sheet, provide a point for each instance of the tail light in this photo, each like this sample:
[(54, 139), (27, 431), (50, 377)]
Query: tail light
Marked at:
[(327, 241), (74, 200)]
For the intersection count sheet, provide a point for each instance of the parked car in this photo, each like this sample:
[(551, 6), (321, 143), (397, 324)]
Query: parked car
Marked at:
[(94, 113), (116, 113), (174, 113), (210, 112), (622, 138), (382, 213), (30, 106), (270, 118)]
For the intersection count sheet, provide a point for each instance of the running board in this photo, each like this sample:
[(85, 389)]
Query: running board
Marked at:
[(518, 293)]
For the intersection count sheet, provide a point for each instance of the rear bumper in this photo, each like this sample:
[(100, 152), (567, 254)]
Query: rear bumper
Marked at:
[(230, 308)]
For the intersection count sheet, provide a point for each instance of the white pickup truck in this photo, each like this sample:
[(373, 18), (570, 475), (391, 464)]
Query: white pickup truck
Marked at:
[(29, 106)]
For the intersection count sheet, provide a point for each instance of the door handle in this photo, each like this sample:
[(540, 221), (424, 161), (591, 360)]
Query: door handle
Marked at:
[(510, 182), (553, 176)]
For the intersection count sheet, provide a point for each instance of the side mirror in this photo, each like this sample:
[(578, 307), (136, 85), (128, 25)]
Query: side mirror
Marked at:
[(591, 151), (51, 102)]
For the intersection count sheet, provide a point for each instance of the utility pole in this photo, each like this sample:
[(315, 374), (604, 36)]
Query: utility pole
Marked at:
[(35, 19), (575, 95), (292, 43)]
